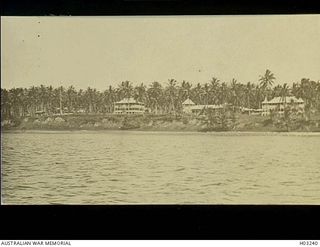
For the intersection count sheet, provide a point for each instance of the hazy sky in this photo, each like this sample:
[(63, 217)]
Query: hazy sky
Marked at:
[(102, 51)]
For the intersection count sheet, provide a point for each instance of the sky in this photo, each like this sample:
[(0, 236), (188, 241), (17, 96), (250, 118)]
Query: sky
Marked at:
[(103, 51)]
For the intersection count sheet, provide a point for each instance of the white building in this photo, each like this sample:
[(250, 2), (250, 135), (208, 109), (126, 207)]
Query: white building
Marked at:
[(251, 111), (188, 106), (129, 106), (279, 103)]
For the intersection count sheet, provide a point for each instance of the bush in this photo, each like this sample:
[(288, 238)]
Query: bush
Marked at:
[(185, 121), (220, 120), (16, 122), (267, 122)]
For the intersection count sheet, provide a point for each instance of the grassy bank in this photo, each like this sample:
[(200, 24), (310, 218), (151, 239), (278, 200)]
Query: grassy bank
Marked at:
[(148, 122)]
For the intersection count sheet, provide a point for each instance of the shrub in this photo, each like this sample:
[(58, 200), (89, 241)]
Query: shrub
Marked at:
[(267, 122), (185, 121)]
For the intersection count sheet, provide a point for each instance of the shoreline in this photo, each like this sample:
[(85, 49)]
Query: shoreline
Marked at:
[(221, 133), (149, 123)]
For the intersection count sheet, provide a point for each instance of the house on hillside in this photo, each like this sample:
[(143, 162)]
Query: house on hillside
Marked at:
[(279, 103), (251, 111), (129, 106), (189, 107), (40, 113)]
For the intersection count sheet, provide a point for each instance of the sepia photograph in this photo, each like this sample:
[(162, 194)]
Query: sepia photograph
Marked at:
[(111, 110)]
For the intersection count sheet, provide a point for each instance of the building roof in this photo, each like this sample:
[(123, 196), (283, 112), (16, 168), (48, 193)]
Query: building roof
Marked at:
[(188, 102), (245, 109), (200, 107), (281, 100), (128, 101)]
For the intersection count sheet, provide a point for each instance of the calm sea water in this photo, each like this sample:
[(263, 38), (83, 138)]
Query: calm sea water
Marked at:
[(160, 168)]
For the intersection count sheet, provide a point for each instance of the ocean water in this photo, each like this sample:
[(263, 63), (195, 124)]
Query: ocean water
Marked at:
[(135, 167)]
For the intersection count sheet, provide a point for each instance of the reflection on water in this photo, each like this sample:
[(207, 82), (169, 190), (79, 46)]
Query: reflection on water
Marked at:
[(163, 168)]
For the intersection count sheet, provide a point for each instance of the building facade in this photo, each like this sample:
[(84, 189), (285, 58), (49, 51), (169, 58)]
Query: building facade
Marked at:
[(189, 107), (129, 106), (279, 103)]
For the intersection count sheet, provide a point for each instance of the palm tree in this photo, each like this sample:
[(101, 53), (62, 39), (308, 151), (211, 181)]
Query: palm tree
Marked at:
[(171, 92), (5, 106), (13, 102), (18, 102), (140, 93), (318, 96), (154, 94), (206, 93), (32, 95), (214, 87), (224, 93), (249, 93), (236, 93), (109, 98), (125, 89), (284, 93), (43, 97), (267, 80), (50, 99), (185, 90), (258, 96), (61, 94), (305, 92), (196, 91), (276, 92), (71, 98)]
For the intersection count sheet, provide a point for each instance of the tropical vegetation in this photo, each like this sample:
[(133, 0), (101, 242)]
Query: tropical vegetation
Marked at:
[(159, 98)]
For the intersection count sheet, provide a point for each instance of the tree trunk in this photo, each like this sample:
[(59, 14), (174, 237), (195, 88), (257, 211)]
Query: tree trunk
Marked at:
[(60, 103)]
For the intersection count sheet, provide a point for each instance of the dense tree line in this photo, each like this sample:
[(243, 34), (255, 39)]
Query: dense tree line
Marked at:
[(160, 98)]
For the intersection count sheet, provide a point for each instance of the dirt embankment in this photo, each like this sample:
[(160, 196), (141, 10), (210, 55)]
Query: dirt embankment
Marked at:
[(99, 122), (147, 122)]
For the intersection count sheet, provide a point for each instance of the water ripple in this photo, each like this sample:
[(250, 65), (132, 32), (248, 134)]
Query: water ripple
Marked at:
[(150, 167)]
